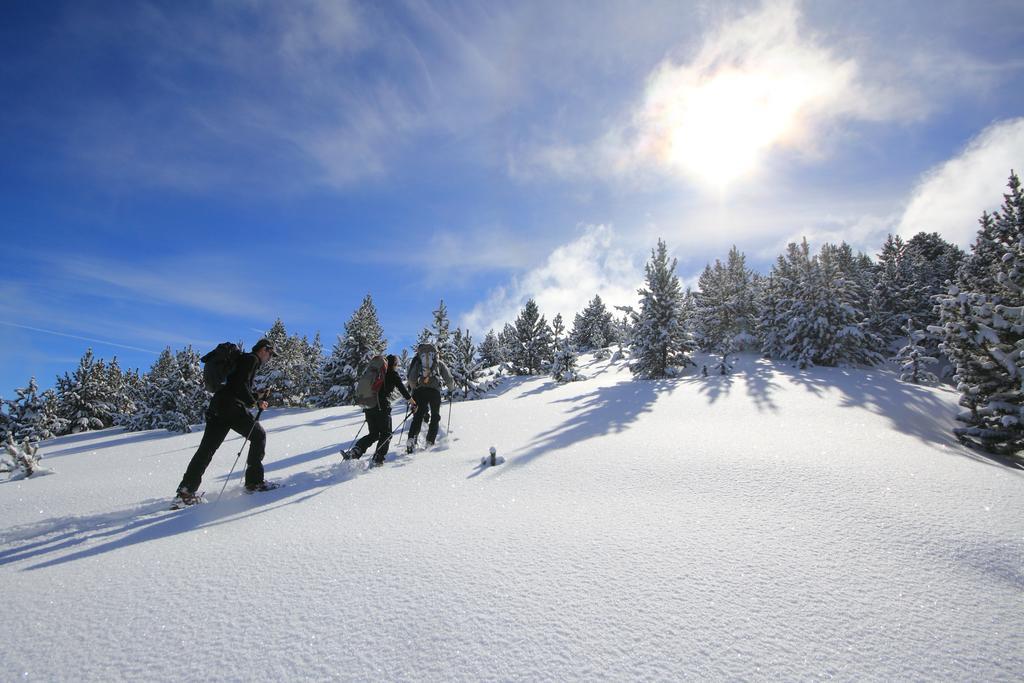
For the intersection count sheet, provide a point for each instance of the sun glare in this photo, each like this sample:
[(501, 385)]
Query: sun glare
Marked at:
[(719, 129)]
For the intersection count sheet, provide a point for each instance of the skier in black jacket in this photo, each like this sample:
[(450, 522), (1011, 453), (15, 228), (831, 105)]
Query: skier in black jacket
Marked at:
[(378, 418), (229, 410)]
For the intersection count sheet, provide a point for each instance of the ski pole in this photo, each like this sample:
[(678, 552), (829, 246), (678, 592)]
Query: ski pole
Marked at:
[(401, 426), (358, 432), (408, 410), (449, 427), (232, 470)]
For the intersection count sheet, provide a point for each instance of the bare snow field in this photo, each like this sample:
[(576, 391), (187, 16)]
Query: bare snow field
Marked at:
[(774, 524)]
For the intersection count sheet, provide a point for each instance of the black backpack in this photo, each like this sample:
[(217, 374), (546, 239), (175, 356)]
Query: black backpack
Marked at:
[(219, 364)]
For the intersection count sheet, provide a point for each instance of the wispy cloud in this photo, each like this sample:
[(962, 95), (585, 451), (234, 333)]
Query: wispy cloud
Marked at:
[(199, 282), (103, 342), (243, 95), (283, 96), (951, 197), (569, 278), (63, 311), (760, 83)]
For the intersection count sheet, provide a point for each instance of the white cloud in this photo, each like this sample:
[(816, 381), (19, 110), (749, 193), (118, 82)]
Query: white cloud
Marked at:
[(569, 278), (759, 84), (951, 197)]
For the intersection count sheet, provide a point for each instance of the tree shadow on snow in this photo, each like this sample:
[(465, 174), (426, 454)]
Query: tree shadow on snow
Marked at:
[(507, 384), (91, 441), (60, 540), (605, 410), (922, 412), (757, 376), (541, 388)]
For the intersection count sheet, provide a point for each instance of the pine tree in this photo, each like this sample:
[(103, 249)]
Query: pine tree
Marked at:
[(771, 321), (892, 298), (979, 272), (742, 300), (983, 330), (557, 329), (622, 331), (291, 378), (507, 341), (442, 336), (933, 262), (363, 339), (660, 343), (563, 367), (425, 337), (532, 344), (913, 359), (275, 378), (83, 396), (119, 390), (52, 422), (192, 397), (172, 395), (28, 416), (491, 353), (308, 371), (466, 369), (846, 283), (823, 302), (6, 423), (153, 397), (713, 326), (725, 308), (22, 459), (592, 328)]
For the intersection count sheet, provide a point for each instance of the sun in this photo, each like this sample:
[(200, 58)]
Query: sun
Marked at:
[(717, 129)]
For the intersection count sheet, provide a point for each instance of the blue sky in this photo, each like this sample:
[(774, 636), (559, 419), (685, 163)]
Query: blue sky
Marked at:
[(184, 173)]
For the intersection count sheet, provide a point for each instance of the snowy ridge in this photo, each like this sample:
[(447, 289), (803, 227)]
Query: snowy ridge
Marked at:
[(769, 524)]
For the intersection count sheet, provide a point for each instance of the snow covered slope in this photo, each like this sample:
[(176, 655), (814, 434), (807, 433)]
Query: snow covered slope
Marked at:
[(774, 524)]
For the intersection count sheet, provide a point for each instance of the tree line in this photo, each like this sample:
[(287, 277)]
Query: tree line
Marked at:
[(939, 313)]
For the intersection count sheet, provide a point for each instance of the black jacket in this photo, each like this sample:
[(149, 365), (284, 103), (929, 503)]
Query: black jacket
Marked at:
[(237, 392), (391, 382)]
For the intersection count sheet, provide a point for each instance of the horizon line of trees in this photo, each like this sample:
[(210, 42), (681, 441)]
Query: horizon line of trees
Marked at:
[(923, 304)]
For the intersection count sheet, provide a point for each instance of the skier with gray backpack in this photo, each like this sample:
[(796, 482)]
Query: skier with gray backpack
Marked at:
[(373, 392), (426, 373)]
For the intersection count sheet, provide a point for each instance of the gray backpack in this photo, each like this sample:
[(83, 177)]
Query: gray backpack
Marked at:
[(371, 381), (423, 365)]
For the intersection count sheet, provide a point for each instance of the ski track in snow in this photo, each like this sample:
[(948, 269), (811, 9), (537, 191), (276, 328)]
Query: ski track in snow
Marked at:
[(772, 524)]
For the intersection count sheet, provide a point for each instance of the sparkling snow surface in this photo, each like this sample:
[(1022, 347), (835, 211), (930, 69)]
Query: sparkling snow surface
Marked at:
[(775, 524)]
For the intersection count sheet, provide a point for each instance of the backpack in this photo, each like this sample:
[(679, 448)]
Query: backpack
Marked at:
[(371, 382), (219, 364), (419, 373)]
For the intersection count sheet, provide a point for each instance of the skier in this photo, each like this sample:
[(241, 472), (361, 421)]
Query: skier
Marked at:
[(228, 410), (426, 390), (378, 418)]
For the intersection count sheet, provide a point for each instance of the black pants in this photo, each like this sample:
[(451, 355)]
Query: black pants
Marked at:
[(217, 427), (378, 421), (428, 400)]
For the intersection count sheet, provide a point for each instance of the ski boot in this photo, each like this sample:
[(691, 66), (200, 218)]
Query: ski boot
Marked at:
[(262, 486), (351, 454)]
